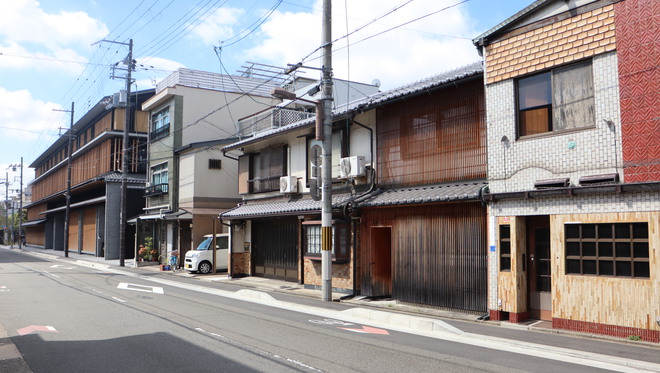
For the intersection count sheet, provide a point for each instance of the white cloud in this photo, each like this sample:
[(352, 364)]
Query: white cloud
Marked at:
[(25, 21), (24, 117), (218, 26), (420, 49), (31, 39)]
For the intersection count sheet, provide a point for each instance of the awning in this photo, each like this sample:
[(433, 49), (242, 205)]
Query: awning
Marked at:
[(74, 205), (291, 207), (447, 192), (34, 222)]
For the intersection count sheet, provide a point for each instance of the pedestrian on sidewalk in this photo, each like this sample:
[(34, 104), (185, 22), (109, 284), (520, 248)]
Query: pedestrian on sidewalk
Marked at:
[(174, 260)]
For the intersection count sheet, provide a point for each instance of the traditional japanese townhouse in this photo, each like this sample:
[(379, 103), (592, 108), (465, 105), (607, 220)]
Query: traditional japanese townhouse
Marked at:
[(572, 91), (409, 225), (190, 184), (96, 160), (423, 238), (277, 227)]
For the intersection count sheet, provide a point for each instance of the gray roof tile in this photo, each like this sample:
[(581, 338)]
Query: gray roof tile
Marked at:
[(447, 192), (299, 205)]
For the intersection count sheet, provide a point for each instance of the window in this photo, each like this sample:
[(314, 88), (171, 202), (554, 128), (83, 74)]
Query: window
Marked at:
[(159, 181), (607, 249), (556, 100), (160, 124), (215, 164), (505, 247), (312, 239), (260, 172)]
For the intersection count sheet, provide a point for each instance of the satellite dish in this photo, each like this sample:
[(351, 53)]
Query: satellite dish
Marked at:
[(376, 82)]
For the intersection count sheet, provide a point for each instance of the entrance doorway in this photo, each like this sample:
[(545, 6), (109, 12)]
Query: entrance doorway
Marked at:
[(381, 261), (538, 262)]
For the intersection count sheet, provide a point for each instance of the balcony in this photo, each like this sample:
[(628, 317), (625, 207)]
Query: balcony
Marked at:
[(155, 190), (269, 119)]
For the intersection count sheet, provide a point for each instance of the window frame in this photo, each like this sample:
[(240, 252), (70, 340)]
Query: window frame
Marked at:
[(159, 129), (554, 126), (504, 242), (341, 239), (603, 250)]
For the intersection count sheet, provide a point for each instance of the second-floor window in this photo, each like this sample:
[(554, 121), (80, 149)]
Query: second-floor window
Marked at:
[(160, 124), (556, 100), (260, 172)]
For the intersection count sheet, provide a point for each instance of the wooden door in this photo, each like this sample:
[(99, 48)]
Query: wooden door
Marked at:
[(381, 261), (538, 261)]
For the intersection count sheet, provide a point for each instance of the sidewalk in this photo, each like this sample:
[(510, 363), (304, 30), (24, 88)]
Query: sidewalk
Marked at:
[(277, 286)]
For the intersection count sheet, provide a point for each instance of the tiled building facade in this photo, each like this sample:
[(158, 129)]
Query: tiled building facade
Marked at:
[(574, 195)]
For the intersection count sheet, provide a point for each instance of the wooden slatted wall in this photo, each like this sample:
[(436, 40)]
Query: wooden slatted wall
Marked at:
[(434, 138), (439, 253)]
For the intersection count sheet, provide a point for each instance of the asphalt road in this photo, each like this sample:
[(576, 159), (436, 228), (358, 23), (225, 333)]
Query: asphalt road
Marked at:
[(70, 318)]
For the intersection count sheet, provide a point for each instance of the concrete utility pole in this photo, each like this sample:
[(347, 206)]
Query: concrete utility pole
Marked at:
[(126, 159), (326, 189), (67, 211), (20, 207), (5, 236)]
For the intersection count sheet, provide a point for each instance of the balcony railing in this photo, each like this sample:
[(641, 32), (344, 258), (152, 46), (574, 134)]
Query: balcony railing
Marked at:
[(156, 189), (159, 132), (274, 118)]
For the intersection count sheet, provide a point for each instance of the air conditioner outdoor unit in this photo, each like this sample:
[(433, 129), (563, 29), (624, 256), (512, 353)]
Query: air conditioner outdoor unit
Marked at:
[(351, 166), (288, 184)]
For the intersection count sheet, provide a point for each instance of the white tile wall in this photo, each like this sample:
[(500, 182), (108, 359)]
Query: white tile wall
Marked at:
[(516, 164)]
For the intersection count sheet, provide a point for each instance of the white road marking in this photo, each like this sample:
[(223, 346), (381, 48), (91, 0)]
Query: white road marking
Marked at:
[(119, 300), (143, 288), (424, 326), (48, 273)]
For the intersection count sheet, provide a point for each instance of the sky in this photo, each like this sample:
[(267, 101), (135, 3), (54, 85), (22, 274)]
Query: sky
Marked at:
[(57, 52)]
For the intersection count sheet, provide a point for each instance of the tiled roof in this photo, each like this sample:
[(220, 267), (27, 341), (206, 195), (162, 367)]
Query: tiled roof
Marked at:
[(427, 194), (400, 196), (366, 103), (304, 204), (130, 178)]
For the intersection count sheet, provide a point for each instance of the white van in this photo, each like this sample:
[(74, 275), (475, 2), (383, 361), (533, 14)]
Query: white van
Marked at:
[(200, 259)]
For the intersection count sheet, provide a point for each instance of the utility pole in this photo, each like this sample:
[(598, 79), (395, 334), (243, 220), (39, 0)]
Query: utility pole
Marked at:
[(125, 158), (125, 162), (5, 236), (326, 189), (20, 211), (20, 206), (68, 183)]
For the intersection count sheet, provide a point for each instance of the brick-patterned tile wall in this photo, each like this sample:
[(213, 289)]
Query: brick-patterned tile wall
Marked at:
[(638, 46), (240, 263), (604, 329), (341, 274), (572, 39)]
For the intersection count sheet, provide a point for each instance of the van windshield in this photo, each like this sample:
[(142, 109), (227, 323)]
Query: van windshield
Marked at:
[(205, 244)]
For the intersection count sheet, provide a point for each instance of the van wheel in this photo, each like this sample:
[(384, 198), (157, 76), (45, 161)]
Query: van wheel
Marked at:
[(204, 267)]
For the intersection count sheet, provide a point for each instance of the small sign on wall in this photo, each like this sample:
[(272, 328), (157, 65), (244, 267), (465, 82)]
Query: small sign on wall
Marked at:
[(493, 249), (246, 247)]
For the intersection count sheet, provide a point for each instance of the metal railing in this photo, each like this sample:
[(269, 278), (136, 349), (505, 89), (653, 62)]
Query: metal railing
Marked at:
[(274, 118), (156, 189)]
